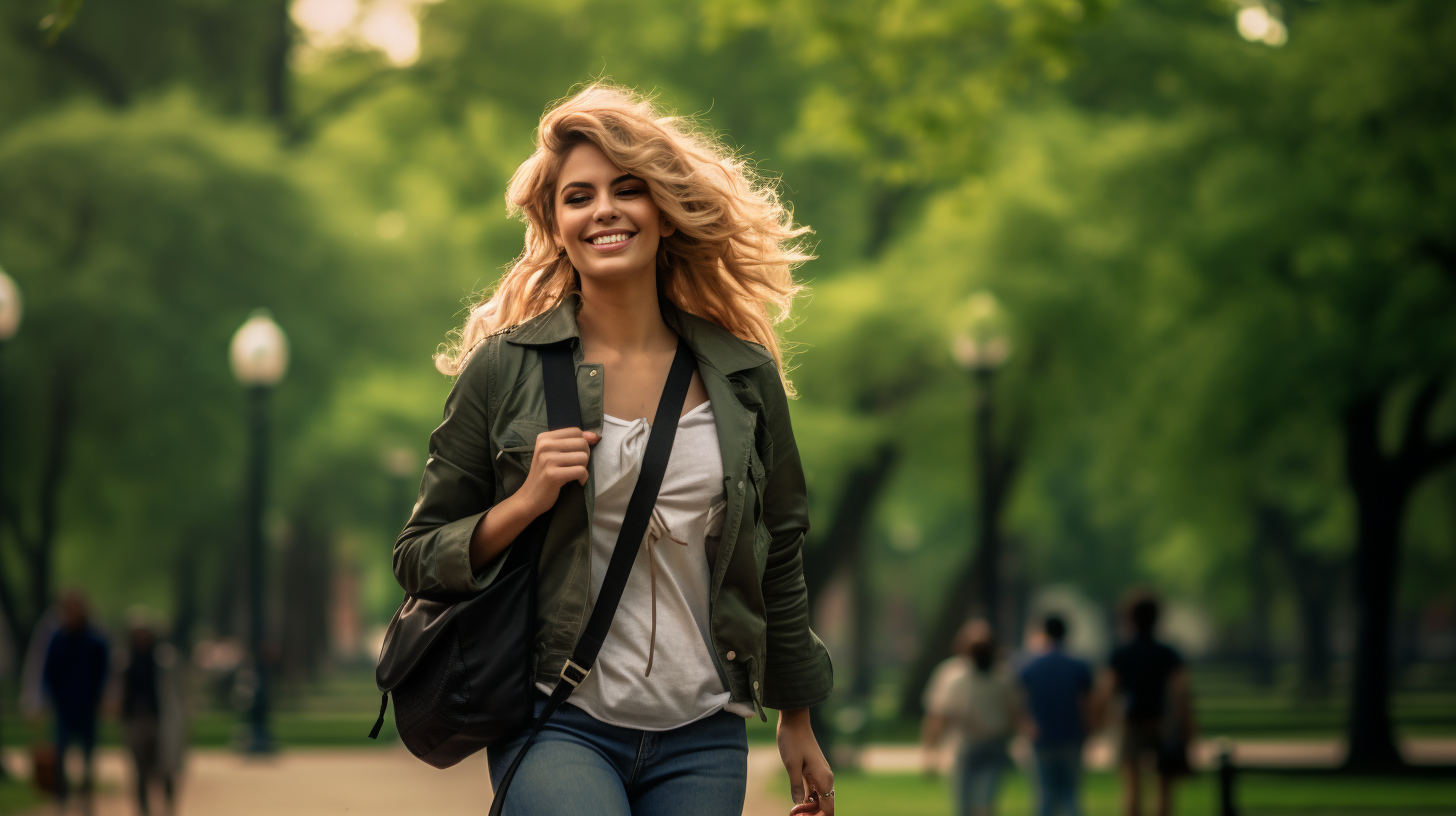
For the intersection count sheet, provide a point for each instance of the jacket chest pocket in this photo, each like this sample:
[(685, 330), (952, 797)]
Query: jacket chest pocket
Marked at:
[(512, 465), (513, 459)]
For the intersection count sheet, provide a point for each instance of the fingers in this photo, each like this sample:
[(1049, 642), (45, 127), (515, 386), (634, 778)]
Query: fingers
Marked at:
[(796, 783), (564, 454), (820, 782), (566, 439)]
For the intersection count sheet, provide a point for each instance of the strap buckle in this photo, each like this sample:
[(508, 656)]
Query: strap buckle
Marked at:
[(578, 681)]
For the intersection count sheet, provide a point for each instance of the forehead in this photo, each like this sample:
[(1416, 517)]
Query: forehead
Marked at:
[(586, 162)]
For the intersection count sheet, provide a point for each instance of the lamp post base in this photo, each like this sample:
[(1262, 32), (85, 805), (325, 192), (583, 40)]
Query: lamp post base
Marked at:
[(255, 740)]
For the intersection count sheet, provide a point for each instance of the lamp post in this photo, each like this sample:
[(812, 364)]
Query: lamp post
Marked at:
[(259, 356), (10, 313), (981, 347)]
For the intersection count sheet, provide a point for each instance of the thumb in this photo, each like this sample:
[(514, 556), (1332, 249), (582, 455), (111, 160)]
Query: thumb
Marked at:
[(591, 437)]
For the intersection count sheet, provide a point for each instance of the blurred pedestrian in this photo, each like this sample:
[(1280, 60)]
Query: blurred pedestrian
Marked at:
[(151, 716), (939, 729), (1058, 691), (1150, 680), (984, 704), (74, 676)]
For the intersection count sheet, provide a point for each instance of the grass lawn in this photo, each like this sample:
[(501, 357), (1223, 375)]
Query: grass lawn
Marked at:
[(907, 794), (17, 795)]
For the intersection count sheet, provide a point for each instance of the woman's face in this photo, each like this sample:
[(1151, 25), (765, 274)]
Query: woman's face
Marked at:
[(605, 218)]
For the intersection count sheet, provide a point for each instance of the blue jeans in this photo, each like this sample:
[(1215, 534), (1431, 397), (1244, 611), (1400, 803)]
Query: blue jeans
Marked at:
[(582, 765), (1058, 774), (81, 733), (979, 767)]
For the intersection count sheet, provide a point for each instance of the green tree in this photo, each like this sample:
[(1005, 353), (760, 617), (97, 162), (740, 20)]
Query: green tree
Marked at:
[(133, 291)]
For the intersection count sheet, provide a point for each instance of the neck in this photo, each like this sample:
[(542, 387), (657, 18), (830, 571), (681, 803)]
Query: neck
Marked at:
[(622, 316)]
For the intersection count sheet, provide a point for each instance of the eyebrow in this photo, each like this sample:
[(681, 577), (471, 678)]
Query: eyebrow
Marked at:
[(615, 182)]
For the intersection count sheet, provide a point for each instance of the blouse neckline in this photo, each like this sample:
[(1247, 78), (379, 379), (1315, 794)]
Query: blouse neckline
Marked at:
[(619, 421)]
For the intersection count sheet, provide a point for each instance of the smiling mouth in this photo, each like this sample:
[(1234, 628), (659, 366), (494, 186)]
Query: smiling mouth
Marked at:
[(611, 241)]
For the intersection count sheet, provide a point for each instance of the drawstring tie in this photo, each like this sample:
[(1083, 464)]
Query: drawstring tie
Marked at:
[(656, 531)]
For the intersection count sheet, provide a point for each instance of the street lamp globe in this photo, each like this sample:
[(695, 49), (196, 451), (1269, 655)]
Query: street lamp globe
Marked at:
[(980, 341), (10, 307), (259, 351)]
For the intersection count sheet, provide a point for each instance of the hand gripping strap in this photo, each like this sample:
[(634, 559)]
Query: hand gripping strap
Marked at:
[(634, 527), (558, 369)]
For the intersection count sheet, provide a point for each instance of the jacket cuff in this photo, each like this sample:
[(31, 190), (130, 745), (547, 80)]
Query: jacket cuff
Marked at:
[(452, 571), (802, 684)]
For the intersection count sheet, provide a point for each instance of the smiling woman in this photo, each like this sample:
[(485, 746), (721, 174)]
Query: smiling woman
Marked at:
[(649, 249)]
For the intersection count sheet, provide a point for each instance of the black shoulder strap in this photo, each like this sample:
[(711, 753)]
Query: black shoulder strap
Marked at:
[(634, 527), (559, 371)]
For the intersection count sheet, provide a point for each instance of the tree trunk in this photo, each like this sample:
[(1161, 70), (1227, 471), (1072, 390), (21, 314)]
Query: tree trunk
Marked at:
[(1261, 589), (1382, 485), (1314, 579), (935, 642), (23, 608), (862, 679), (307, 580), (184, 588), (1380, 510), (842, 539), (275, 65), (1316, 654), (842, 542)]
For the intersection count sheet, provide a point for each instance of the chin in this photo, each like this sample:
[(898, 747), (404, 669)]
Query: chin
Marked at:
[(613, 270)]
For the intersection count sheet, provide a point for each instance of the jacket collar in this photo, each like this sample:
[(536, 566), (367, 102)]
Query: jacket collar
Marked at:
[(711, 344)]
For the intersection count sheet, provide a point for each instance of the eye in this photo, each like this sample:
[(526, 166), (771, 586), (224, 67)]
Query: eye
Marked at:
[(629, 191), (576, 199)]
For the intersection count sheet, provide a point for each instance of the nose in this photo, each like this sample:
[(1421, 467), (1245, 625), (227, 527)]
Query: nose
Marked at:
[(606, 209)]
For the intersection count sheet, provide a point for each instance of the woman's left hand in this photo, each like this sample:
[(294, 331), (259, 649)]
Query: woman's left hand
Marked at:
[(810, 781)]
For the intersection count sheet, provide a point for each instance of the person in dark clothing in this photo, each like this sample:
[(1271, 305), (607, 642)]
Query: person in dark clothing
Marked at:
[(74, 677), (1150, 680), (1058, 691), (141, 717)]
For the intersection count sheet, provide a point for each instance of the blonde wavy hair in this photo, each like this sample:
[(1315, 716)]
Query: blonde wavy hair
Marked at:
[(730, 260)]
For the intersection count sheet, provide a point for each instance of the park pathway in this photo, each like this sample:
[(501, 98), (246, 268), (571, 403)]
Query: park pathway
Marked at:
[(389, 782), (367, 782)]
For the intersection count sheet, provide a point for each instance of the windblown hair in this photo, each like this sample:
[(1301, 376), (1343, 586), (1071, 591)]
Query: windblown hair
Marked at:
[(730, 260)]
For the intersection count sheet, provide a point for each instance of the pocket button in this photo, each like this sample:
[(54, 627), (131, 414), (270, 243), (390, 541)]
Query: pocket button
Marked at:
[(732, 655)]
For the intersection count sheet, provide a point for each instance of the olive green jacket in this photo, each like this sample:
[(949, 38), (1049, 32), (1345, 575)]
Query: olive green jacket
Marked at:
[(481, 453)]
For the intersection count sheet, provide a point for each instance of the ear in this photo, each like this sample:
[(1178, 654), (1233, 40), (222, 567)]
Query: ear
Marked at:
[(667, 227)]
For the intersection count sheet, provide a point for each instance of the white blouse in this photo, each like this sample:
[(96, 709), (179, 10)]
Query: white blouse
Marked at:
[(655, 670)]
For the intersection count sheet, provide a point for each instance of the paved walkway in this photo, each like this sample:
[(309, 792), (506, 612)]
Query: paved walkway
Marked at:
[(389, 782), (368, 782)]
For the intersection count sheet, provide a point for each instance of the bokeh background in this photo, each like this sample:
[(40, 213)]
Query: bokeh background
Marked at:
[(1109, 294)]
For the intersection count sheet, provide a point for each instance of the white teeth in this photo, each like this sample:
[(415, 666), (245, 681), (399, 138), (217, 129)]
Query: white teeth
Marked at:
[(614, 238)]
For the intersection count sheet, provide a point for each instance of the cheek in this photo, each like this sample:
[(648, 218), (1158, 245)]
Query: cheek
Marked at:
[(567, 226), (648, 217)]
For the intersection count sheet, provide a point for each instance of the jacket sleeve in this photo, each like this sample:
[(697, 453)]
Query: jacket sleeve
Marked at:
[(797, 670), (432, 553)]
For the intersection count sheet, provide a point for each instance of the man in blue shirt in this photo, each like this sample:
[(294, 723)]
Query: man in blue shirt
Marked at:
[(1058, 692)]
